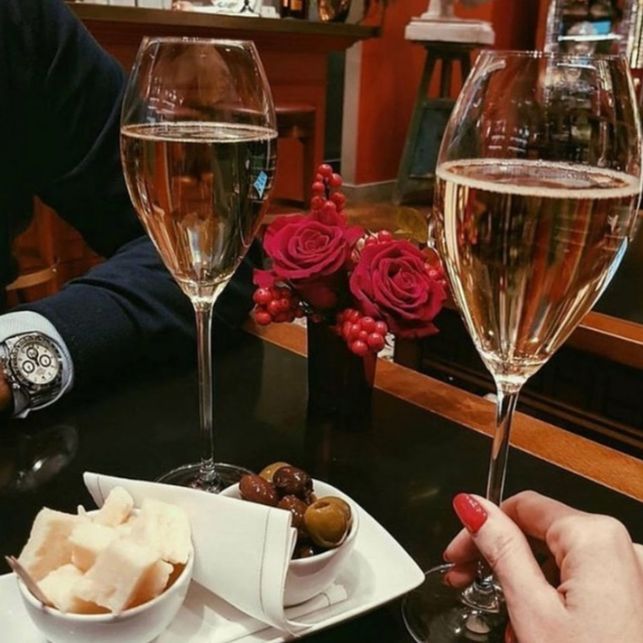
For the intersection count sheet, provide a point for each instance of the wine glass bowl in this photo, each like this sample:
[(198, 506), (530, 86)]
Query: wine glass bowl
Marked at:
[(537, 185), (524, 281), (535, 210), (198, 146)]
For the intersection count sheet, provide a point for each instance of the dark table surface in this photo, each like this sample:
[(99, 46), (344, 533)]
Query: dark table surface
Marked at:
[(404, 469)]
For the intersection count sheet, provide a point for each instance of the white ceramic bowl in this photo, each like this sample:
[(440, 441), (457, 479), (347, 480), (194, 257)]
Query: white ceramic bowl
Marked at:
[(308, 577), (140, 624)]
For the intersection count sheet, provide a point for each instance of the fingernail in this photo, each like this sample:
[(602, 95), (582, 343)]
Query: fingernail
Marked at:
[(446, 580), (445, 557), (470, 511)]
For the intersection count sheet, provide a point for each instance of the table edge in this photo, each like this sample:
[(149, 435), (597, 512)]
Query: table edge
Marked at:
[(613, 469)]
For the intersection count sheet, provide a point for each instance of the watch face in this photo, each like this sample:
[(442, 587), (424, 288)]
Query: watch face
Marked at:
[(35, 360)]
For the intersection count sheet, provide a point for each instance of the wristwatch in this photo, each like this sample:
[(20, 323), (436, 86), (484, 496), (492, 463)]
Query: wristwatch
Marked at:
[(32, 365)]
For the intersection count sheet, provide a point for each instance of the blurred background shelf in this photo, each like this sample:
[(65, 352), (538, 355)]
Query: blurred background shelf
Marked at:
[(294, 53)]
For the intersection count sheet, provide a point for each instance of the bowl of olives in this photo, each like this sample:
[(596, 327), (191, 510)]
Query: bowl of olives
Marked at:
[(326, 520)]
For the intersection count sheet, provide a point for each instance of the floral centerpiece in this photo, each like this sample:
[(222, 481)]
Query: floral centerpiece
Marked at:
[(363, 284)]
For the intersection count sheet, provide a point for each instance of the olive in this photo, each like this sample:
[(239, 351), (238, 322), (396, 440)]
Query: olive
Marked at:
[(290, 480), (304, 551), (297, 508), (255, 489), (343, 505), (326, 523), (268, 472)]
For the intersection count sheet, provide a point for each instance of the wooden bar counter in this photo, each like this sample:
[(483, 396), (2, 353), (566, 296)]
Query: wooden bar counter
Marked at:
[(294, 52)]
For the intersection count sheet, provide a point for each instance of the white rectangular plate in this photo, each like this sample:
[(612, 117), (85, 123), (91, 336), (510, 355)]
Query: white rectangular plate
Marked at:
[(379, 571)]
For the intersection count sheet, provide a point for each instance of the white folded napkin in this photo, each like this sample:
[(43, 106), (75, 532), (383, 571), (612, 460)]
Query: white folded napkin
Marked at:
[(242, 549), (206, 617)]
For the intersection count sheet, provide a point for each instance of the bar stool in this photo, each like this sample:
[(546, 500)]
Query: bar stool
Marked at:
[(31, 279), (37, 260), (297, 121), (430, 115)]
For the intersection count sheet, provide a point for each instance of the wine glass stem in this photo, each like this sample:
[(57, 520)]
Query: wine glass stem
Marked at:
[(505, 406), (203, 311), (482, 592)]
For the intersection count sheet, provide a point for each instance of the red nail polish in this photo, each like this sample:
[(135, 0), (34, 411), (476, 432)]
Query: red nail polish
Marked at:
[(470, 511)]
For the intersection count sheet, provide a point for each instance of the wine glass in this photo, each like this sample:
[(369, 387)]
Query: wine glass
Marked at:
[(537, 186), (198, 146)]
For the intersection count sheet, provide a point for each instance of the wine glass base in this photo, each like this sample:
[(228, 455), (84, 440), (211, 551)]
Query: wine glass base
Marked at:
[(436, 613), (189, 476)]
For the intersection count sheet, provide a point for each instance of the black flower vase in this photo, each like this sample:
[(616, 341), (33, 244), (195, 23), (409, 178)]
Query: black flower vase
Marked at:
[(340, 383)]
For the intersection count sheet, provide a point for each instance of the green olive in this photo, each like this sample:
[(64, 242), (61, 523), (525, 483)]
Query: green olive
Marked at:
[(268, 472), (343, 505), (326, 523)]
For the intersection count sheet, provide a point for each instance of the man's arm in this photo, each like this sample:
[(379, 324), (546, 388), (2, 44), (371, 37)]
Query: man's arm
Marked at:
[(156, 327), (128, 309)]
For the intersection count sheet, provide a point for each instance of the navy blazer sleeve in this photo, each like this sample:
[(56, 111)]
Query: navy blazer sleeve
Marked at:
[(64, 106)]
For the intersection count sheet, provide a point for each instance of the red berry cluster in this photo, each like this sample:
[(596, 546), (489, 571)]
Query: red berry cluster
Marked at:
[(360, 332), (276, 304), (377, 238), (383, 236), (326, 199)]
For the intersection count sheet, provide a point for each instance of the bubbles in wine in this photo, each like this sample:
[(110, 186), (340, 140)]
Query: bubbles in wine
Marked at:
[(529, 247)]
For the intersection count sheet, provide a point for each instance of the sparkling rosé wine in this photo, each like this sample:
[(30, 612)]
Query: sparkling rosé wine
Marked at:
[(529, 247), (200, 190)]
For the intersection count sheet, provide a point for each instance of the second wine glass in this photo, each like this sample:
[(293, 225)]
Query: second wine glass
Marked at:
[(538, 179), (198, 145)]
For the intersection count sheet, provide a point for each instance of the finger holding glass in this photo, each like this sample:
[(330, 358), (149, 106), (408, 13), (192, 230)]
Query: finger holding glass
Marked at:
[(198, 145), (597, 593)]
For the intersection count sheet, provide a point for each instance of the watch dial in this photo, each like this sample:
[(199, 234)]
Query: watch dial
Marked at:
[(37, 362)]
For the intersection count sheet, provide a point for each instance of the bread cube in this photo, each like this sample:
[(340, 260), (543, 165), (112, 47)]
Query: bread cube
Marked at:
[(153, 583), (119, 573), (116, 509), (60, 588), (48, 546), (166, 528), (87, 541), (125, 528)]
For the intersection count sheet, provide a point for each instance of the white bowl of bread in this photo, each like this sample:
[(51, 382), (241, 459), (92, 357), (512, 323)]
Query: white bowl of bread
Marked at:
[(115, 575)]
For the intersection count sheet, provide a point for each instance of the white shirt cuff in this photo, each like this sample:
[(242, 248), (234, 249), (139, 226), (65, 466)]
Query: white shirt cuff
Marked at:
[(26, 321)]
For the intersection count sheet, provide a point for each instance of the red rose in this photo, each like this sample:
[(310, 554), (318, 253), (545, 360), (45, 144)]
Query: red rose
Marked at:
[(303, 248), (391, 281)]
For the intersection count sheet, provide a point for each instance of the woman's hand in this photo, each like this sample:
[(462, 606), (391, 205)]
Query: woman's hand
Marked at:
[(590, 590)]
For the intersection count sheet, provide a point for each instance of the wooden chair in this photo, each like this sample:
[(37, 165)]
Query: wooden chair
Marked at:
[(35, 251)]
